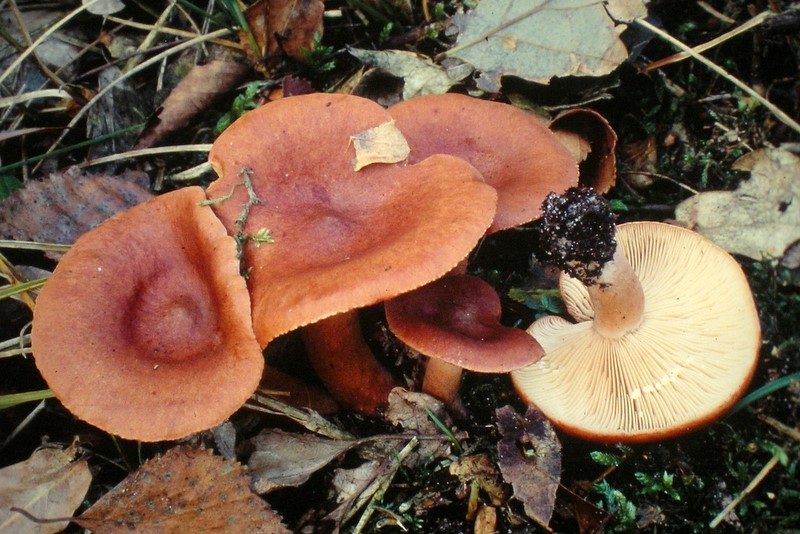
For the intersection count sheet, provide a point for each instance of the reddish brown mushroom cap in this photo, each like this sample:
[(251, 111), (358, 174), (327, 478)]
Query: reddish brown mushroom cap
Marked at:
[(143, 329), (457, 319), (512, 149), (343, 239)]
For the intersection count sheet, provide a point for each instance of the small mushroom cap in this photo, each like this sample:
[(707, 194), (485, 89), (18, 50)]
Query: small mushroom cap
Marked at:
[(144, 329), (457, 319), (690, 359), (513, 150), (344, 239)]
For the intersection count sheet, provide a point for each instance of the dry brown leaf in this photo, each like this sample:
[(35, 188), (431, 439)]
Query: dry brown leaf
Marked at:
[(762, 217), (185, 490), (282, 459), (193, 95), (67, 205), (381, 144), (529, 456), (48, 485), (407, 409), (282, 26), (589, 130)]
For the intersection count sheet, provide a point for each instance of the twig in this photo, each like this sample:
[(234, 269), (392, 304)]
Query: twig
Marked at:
[(746, 491), (780, 427), (783, 117)]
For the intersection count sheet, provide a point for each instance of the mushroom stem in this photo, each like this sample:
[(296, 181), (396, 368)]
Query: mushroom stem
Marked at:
[(617, 298), (346, 365), (442, 380)]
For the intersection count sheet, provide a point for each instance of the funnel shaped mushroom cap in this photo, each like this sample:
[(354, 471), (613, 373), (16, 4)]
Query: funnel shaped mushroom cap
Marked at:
[(687, 363), (344, 239), (144, 329), (514, 151), (457, 319)]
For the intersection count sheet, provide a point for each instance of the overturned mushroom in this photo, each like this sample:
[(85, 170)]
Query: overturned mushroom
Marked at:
[(343, 239), (667, 336), (144, 329), (455, 322)]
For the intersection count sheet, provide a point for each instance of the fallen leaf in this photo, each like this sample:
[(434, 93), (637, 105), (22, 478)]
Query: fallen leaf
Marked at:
[(529, 456), (64, 206), (281, 459), (192, 96), (381, 144), (282, 26), (760, 218), (420, 75), (50, 484), (410, 410), (185, 490), (538, 40), (103, 7)]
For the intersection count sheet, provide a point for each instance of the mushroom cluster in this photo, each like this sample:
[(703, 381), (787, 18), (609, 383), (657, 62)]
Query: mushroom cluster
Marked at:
[(666, 336), (147, 328)]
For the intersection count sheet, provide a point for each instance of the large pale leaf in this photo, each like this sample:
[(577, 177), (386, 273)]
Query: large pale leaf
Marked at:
[(48, 485), (761, 217), (538, 40)]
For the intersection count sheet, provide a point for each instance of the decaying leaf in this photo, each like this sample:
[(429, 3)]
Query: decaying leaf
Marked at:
[(410, 410), (381, 144), (282, 26), (185, 490), (537, 40), (48, 485), (420, 75), (760, 218), (282, 459), (67, 205), (193, 95), (529, 456), (479, 468)]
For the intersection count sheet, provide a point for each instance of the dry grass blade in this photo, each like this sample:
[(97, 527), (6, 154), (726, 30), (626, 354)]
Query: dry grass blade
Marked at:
[(33, 95), (146, 152), (680, 56), (779, 114), (171, 31)]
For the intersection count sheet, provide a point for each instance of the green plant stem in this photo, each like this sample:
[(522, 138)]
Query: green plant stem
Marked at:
[(16, 289), (763, 391), (13, 399)]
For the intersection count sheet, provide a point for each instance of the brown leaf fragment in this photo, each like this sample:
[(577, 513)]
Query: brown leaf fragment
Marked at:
[(48, 485), (64, 206), (381, 144), (193, 95), (479, 468), (529, 456), (282, 26), (598, 141), (185, 490), (409, 410), (282, 459)]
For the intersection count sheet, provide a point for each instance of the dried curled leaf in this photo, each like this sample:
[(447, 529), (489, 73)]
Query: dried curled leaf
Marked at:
[(185, 490), (529, 456), (50, 484)]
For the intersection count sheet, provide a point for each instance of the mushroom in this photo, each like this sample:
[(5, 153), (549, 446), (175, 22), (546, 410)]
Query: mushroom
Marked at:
[(667, 336), (144, 330), (513, 150), (455, 322), (343, 239)]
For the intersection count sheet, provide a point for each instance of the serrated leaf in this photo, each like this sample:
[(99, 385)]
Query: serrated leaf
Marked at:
[(538, 40), (48, 485)]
